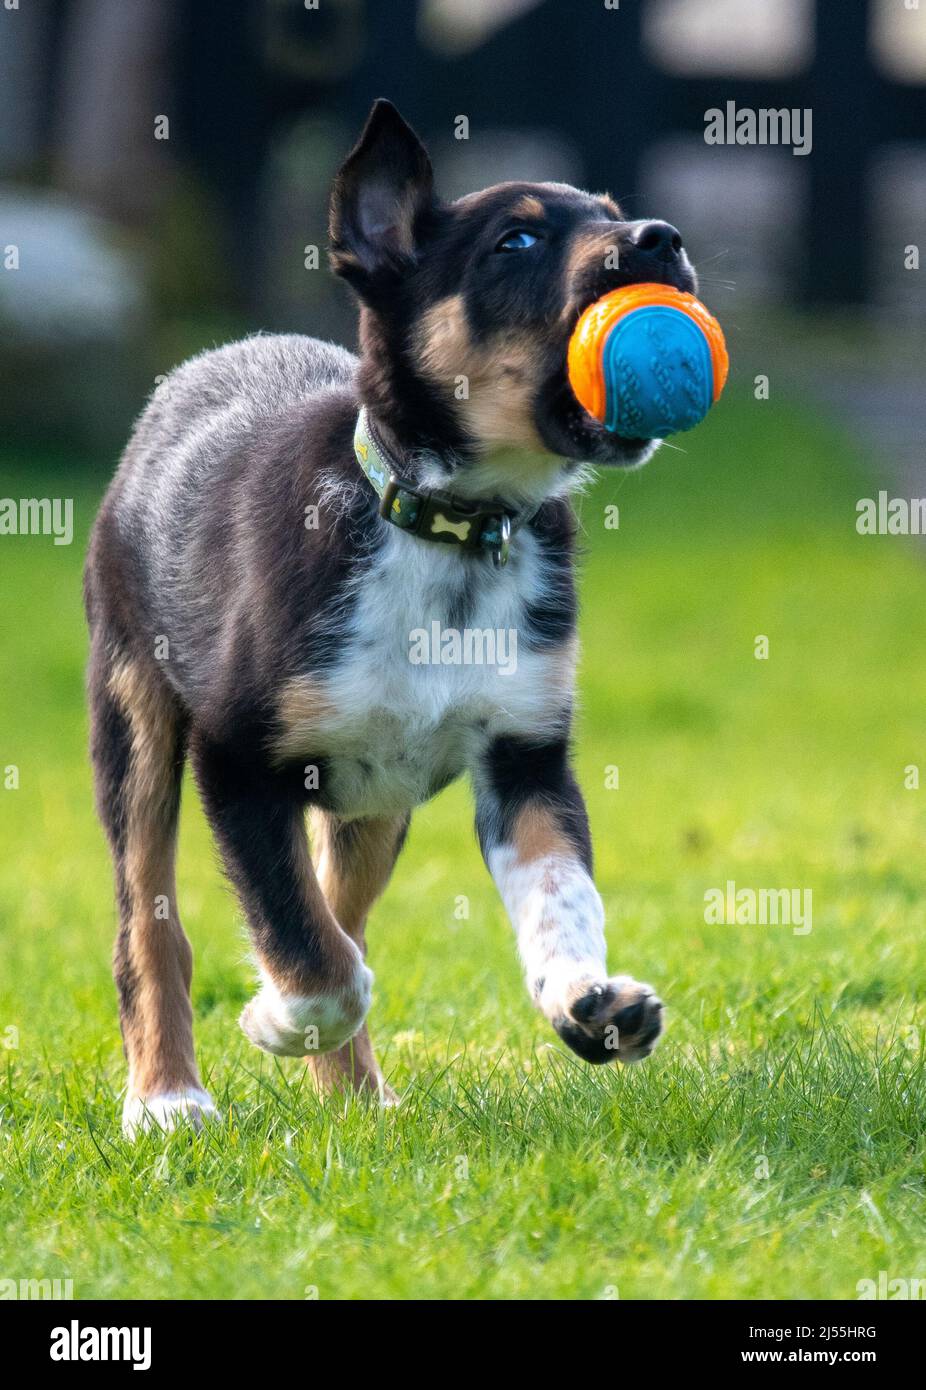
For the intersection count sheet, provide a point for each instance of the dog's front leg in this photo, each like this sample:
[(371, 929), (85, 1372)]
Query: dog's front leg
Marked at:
[(315, 989), (533, 830)]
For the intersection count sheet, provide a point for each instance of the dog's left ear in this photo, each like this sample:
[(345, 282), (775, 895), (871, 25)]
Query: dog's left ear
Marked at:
[(383, 189)]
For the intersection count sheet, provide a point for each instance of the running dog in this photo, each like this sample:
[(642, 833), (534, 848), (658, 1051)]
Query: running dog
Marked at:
[(286, 515)]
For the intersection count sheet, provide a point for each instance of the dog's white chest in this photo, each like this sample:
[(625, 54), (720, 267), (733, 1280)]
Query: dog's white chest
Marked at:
[(437, 661)]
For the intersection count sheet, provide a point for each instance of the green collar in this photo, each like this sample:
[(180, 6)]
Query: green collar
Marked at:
[(430, 515)]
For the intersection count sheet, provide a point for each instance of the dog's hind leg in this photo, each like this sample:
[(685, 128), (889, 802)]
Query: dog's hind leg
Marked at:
[(315, 989), (353, 861), (137, 752)]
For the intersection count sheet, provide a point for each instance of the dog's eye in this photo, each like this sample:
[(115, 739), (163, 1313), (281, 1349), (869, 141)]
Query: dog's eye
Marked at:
[(517, 241)]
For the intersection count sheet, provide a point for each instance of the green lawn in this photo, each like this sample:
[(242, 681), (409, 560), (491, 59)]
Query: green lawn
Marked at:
[(774, 1145)]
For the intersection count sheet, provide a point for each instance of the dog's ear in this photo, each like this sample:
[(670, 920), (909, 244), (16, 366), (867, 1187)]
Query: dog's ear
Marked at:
[(383, 189)]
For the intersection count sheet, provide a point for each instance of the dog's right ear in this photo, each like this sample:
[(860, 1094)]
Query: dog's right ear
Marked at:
[(383, 189)]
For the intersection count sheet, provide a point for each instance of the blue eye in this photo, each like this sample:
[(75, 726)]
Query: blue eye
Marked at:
[(517, 241)]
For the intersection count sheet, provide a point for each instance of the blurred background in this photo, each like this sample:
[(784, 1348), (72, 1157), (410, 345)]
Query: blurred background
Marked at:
[(164, 173), (164, 167)]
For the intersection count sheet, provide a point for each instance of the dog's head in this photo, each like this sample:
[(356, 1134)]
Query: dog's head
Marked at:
[(468, 307)]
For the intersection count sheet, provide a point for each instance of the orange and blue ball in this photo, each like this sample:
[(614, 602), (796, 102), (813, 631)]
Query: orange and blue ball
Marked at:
[(647, 361)]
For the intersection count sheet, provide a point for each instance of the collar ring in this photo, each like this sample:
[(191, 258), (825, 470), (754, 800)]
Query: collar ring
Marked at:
[(500, 552)]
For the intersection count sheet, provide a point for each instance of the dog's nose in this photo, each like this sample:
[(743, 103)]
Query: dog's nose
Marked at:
[(660, 240)]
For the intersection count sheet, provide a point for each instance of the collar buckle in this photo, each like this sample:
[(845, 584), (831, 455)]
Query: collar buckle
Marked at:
[(388, 497)]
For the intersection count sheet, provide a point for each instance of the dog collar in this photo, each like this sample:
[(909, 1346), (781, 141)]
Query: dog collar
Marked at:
[(432, 516)]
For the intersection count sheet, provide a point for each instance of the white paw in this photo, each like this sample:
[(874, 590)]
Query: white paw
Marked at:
[(296, 1025), (168, 1111), (614, 1019)]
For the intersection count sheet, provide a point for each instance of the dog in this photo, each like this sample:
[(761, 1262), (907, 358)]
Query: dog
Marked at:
[(284, 516)]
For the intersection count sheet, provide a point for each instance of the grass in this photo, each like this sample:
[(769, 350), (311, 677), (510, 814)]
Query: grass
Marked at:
[(774, 1145)]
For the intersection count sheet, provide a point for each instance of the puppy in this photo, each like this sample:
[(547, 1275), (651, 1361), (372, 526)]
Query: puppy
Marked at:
[(286, 522)]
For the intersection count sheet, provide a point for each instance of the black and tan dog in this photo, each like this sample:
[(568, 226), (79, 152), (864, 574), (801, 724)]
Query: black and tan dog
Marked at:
[(285, 517)]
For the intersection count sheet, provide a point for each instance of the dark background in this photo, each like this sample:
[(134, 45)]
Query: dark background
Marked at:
[(135, 251)]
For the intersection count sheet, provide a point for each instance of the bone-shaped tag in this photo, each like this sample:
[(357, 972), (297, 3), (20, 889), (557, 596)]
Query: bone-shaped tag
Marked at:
[(460, 529)]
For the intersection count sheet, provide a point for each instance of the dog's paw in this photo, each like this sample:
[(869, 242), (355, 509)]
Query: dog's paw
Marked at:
[(614, 1020), (296, 1025), (192, 1107)]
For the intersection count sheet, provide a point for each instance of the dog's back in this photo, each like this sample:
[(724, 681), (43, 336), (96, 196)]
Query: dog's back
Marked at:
[(171, 536), (204, 415)]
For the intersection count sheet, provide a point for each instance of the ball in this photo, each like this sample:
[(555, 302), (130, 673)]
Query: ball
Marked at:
[(647, 361)]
